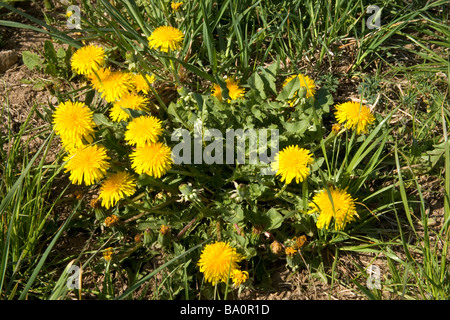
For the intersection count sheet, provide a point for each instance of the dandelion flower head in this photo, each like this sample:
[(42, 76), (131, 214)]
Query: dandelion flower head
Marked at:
[(218, 261), (166, 38), (111, 220), (354, 116), (338, 204), (152, 159), (112, 84), (87, 59), (292, 163), (88, 164), (176, 5), (234, 91), (130, 100), (239, 277), (108, 253), (143, 130), (73, 122), (290, 251), (336, 128), (141, 84), (164, 230), (116, 187)]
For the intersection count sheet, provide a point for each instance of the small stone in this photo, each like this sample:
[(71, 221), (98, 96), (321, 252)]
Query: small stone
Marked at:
[(7, 59)]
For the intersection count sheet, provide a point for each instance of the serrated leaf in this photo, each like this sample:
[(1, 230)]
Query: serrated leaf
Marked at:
[(101, 120), (134, 113), (289, 90), (61, 53), (32, 60), (235, 216), (323, 100), (275, 218), (257, 83), (49, 52), (270, 219), (269, 74), (39, 85), (296, 127), (433, 156), (180, 115)]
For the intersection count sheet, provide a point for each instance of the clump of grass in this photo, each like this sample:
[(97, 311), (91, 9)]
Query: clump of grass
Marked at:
[(26, 189)]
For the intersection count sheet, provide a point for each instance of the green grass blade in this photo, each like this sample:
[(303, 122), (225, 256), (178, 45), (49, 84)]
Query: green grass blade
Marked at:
[(153, 273), (47, 252)]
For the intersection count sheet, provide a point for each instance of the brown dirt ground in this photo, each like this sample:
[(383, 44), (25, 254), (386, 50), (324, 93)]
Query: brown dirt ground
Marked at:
[(287, 285)]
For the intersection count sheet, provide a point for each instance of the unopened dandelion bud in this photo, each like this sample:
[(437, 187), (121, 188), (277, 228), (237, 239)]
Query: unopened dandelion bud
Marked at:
[(164, 230), (276, 248), (185, 189), (148, 237), (242, 191), (256, 234), (95, 203), (138, 238), (164, 236), (108, 253), (188, 193), (290, 251), (336, 128), (78, 195), (98, 211)]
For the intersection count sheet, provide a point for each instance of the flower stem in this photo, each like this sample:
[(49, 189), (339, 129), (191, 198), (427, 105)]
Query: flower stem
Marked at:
[(282, 190), (175, 74)]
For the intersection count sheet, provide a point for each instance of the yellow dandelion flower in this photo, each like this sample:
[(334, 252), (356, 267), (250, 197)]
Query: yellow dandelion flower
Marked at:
[(239, 277), (217, 262), (73, 122), (141, 84), (339, 205), (130, 100), (292, 162), (87, 164), (143, 130), (112, 84), (108, 253), (354, 115), (87, 59), (217, 91), (116, 187), (234, 91), (98, 76), (166, 38), (153, 159), (306, 83), (176, 5)]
